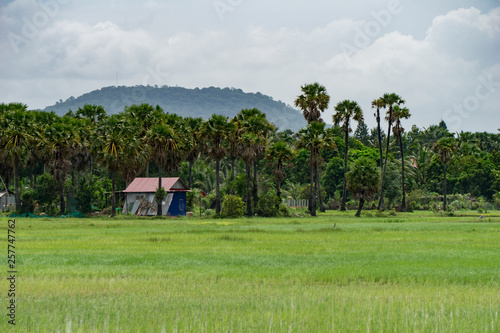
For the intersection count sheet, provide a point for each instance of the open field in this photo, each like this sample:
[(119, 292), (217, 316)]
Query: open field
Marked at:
[(411, 272)]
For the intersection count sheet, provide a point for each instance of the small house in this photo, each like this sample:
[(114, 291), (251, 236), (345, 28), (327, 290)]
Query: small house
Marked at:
[(140, 197), (7, 200)]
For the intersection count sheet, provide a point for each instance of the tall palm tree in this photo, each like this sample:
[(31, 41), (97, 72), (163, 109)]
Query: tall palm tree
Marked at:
[(363, 180), (216, 130), (314, 138), (378, 104), (398, 114), (252, 147), (60, 142), (313, 101), (196, 143), (15, 140), (389, 101), (445, 147), (249, 150), (115, 143), (165, 144), (344, 112), (280, 154)]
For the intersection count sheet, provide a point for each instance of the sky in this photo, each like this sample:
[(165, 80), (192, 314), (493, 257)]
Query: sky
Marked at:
[(441, 57)]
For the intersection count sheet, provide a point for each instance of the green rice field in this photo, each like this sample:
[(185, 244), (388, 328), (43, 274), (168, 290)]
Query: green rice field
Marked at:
[(413, 272)]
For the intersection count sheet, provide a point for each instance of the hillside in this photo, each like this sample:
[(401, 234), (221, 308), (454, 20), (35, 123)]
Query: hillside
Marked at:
[(186, 102)]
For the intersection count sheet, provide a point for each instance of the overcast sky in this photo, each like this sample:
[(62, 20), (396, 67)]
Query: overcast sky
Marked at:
[(441, 56)]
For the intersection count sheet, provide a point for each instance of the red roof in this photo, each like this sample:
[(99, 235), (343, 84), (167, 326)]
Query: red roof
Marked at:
[(149, 185)]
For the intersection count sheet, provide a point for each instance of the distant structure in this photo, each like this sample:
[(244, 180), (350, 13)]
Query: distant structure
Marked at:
[(7, 199), (140, 197)]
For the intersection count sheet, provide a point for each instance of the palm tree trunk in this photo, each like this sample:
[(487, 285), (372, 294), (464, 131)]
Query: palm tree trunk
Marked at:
[(444, 205), (254, 189), (61, 197), (381, 199), (360, 207), (217, 190), (312, 194), (249, 201), (344, 192), (147, 169), (113, 198), (379, 131), (158, 200), (403, 203), (190, 179), (16, 184), (233, 161), (318, 189), (31, 174)]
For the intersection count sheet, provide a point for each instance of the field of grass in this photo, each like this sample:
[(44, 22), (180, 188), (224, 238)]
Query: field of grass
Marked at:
[(414, 272)]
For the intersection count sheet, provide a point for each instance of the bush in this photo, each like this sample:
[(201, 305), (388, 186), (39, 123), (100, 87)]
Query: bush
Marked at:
[(496, 201), (232, 206), (28, 202), (268, 205), (284, 211)]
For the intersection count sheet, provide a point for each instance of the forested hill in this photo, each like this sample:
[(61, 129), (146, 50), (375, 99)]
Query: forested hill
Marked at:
[(186, 102)]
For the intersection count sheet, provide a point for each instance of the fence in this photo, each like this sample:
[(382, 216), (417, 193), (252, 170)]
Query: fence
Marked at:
[(297, 203)]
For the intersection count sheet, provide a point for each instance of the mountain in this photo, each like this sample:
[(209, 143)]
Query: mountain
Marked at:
[(187, 102)]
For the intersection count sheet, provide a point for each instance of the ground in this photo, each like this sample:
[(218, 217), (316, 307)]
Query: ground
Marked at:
[(334, 273)]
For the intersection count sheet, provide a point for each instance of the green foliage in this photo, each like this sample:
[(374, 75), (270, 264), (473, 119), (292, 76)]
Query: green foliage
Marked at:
[(268, 205), (232, 206), (86, 192), (305, 192), (28, 201), (333, 178), (160, 194), (47, 189)]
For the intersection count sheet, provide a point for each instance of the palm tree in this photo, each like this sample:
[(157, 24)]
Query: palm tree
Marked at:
[(216, 130), (60, 142), (345, 111), (445, 147), (363, 180), (116, 144), (378, 104), (280, 154), (398, 114), (314, 138), (15, 140), (196, 143), (313, 101), (253, 130), (389, 101), (165, 145)]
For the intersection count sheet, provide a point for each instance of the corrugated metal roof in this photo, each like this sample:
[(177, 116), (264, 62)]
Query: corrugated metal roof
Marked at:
[(149, 185)]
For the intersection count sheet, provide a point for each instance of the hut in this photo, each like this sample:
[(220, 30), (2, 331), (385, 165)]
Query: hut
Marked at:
[(7, 200), (140, 197)]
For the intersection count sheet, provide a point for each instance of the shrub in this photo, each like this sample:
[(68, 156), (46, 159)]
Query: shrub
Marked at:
[(232, 206), (284, 211), (268, 205), (28, 201), (496, 201)]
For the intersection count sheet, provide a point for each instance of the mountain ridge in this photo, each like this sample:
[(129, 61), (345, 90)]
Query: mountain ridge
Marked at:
[(197, 102)]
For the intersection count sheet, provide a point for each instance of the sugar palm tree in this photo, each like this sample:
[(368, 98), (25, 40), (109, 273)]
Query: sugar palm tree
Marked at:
[(398, 114), (363, 180), (344, 112), (165, 146), (280, 154), (445, 147), (60, 141), (378, 104), (389, 101), (216, 130), (116, 145), (196, 143), (314, 138), (15, 139), (253, 130), (313, 101)]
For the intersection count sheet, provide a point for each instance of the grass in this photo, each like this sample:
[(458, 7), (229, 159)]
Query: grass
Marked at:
[(411, 272)]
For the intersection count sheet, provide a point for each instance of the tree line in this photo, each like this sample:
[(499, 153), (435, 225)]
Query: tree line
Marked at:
[(247, 157)]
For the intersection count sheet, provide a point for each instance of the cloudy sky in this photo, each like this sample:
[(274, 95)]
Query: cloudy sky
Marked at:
[(441, 56)]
